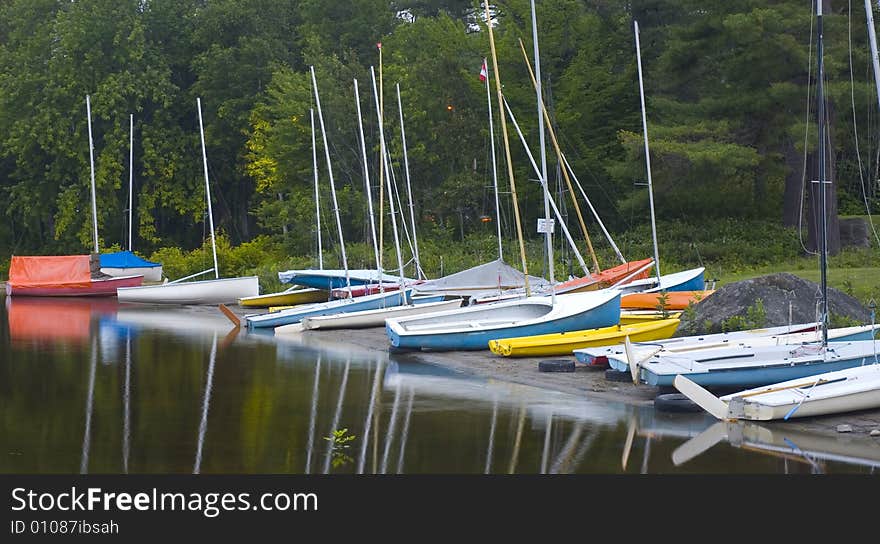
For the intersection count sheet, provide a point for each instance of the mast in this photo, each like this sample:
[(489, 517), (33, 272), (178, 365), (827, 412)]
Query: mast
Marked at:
[(565, 174), (332, 184), (565, 230), (412, 213), (92, 163), (130, 176), (369, 193), (522, 247), (823, 223), (390, 192), (872, 37), (648, 154), (208, 190), (494, 166), (548, 232), (317, 202), (381, 163)]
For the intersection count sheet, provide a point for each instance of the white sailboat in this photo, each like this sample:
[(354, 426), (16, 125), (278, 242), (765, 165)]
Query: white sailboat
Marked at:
[(126, 263), (216, 291)]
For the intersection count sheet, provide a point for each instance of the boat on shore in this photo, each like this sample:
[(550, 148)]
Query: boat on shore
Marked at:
[(564, 343), (289, 297), (337, 306), (62, 276), (473, 327), (616, 355), (126, 263), (372, 318), (216, 291), (847, 390)]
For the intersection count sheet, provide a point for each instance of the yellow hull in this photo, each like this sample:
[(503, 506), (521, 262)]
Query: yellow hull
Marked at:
[(285, 298), (564, 343), (637, 316)]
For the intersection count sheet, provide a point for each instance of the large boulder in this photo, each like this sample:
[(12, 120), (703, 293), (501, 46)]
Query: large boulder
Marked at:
[(768, 301)]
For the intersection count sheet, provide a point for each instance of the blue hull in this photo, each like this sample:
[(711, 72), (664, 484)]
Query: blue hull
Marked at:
[(617, 364), (756, 377), (696, 284), (604, 315), (295, 315), (327, 283)]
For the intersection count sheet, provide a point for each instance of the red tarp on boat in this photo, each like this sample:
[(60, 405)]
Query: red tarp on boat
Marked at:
[(50, 271)]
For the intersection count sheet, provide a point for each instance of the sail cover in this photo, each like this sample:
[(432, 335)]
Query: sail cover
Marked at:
[(125, 259), (49, 271), (481, 280)]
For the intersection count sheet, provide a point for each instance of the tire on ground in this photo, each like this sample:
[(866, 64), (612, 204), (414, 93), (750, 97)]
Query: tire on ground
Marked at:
[(556, 365)]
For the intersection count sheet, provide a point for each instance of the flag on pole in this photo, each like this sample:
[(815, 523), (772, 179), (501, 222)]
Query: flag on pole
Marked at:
[(484, 73)]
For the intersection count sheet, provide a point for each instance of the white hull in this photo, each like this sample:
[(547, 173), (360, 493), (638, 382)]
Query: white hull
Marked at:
[(697, 346), (227, 290), (150, 273), (373, 318), (848, 390)]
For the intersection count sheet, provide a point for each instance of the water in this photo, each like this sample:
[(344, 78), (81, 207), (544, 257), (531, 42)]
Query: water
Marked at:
[(93, 386)]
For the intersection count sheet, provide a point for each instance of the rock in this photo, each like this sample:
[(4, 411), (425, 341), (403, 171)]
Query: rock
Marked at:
[(735, 306), (844, 428)]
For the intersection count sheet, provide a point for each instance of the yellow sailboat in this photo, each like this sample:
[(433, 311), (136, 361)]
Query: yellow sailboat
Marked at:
[(564, 343), (291, 297), (629, 317)]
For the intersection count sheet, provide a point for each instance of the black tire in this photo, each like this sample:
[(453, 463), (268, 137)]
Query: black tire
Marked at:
[(675, 402), (618, 375), (556, 365)]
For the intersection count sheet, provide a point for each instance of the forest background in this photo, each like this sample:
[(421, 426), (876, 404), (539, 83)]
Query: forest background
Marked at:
[(730, 103)]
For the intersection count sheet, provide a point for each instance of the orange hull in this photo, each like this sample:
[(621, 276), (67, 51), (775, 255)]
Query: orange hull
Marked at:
[(675, 300), (606, 278)]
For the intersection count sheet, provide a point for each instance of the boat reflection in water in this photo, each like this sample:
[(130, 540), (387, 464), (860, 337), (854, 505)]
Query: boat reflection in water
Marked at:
[(819, 453), (54, 321)]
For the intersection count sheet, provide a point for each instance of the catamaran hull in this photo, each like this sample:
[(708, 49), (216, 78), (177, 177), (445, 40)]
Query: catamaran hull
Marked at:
[(376, 318), (150, 273), (854, 389), (737, 377), (285, 298), (95, 288), (220, 291), (335, 279), (296, 315), (601, 311)]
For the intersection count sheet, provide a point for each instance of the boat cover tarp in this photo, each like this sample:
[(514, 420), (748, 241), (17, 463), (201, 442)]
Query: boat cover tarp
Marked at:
[(483, 279), (50, 271), (125, 259)]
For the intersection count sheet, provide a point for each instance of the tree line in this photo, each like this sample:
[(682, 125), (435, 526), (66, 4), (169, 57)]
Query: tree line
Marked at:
[(729, 89)]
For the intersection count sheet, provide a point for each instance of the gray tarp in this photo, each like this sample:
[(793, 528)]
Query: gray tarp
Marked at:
[(483, 280)]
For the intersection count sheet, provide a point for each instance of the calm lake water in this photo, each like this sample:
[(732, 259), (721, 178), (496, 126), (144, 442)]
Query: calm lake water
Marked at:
[(93, 386)]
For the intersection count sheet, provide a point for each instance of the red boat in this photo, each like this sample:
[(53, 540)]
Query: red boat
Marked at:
[(624, 273), (368, 289), (62, 276)]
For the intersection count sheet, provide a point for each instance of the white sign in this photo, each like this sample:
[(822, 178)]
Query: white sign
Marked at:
[(546, 225)]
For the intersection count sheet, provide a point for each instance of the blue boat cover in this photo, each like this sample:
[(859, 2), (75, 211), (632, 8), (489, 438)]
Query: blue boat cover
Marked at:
[(125, 259)]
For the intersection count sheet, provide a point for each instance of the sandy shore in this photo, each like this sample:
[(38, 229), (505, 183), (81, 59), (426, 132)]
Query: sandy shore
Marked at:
[(583, 381)]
